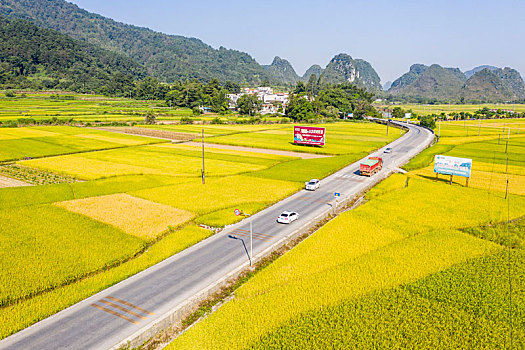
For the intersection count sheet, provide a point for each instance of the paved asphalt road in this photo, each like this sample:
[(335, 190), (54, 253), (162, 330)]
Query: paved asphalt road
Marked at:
[(128, 308)]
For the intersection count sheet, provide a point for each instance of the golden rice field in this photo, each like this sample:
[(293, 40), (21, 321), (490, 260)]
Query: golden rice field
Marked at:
[(410, 267), (139, 205), (358, 254), (120, 210)]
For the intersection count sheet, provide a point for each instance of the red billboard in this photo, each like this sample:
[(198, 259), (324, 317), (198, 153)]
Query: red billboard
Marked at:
[(308, 135)]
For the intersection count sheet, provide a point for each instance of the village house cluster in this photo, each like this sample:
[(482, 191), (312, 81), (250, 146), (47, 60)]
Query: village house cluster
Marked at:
[(271, 100)]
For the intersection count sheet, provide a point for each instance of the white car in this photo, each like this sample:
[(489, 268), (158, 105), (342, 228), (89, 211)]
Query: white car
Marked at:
[(287, 217), (312, 185), (388, 150)]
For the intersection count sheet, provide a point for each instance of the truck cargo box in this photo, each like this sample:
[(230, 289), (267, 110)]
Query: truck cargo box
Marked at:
[(371, 166)]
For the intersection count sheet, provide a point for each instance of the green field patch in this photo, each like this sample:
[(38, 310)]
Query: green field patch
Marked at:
[(32, 195), (426, 157), (511, 235), (147, 160), (220, 193), (37, 142), (43, 253), (223, 217), (302, 170)]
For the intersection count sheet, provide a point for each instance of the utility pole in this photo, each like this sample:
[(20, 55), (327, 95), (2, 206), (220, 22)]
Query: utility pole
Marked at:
[(387, 122), (203, 176), (507, 171), (479, 130)]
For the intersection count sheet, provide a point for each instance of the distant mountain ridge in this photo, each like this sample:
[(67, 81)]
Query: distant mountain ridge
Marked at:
[(471, 72), (484, 83), (315, 69), (282, 70), (344, 69)]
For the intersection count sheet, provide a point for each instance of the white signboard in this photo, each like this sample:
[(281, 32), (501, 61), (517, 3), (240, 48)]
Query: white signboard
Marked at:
[(452, 165)]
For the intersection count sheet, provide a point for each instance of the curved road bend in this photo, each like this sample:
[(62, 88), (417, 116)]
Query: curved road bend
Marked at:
[(122, 312)]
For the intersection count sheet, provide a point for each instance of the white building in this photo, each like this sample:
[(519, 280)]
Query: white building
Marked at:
[(264, 94)]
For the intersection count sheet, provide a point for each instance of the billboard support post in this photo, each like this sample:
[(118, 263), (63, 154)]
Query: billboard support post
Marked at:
[(450, 183)]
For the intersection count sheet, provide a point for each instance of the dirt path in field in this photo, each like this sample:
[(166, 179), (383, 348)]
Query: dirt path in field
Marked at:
[(257, 150), (8, 182)]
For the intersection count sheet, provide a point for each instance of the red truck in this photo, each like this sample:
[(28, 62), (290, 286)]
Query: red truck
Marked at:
[(371, 166)]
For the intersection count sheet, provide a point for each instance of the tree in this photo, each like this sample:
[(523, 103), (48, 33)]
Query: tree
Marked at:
[(312, 88), (249, 104), (398, 112), (150, 118), (232, 88), (299, 88), (299, 108), (427, 121)]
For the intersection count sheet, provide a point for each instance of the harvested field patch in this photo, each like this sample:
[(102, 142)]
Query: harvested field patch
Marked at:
[(9, 182), (135, 216)]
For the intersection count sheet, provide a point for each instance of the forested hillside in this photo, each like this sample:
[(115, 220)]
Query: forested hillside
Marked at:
[(166, 57), (33, 57)]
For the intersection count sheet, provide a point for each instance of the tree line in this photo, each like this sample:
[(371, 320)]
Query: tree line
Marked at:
[(316, 100)]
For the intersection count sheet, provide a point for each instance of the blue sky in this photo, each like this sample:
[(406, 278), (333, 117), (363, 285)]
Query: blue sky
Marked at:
[(391, 35)]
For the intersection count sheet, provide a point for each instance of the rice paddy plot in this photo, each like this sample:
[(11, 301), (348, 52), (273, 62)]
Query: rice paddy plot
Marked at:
[(84, 108), (213, 130), (428, 205), (220, 193), (170, 161), (22, 314), (31, 142), (135, 216), (38, 251), (264, 309), (302, 170), (223, 217)]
